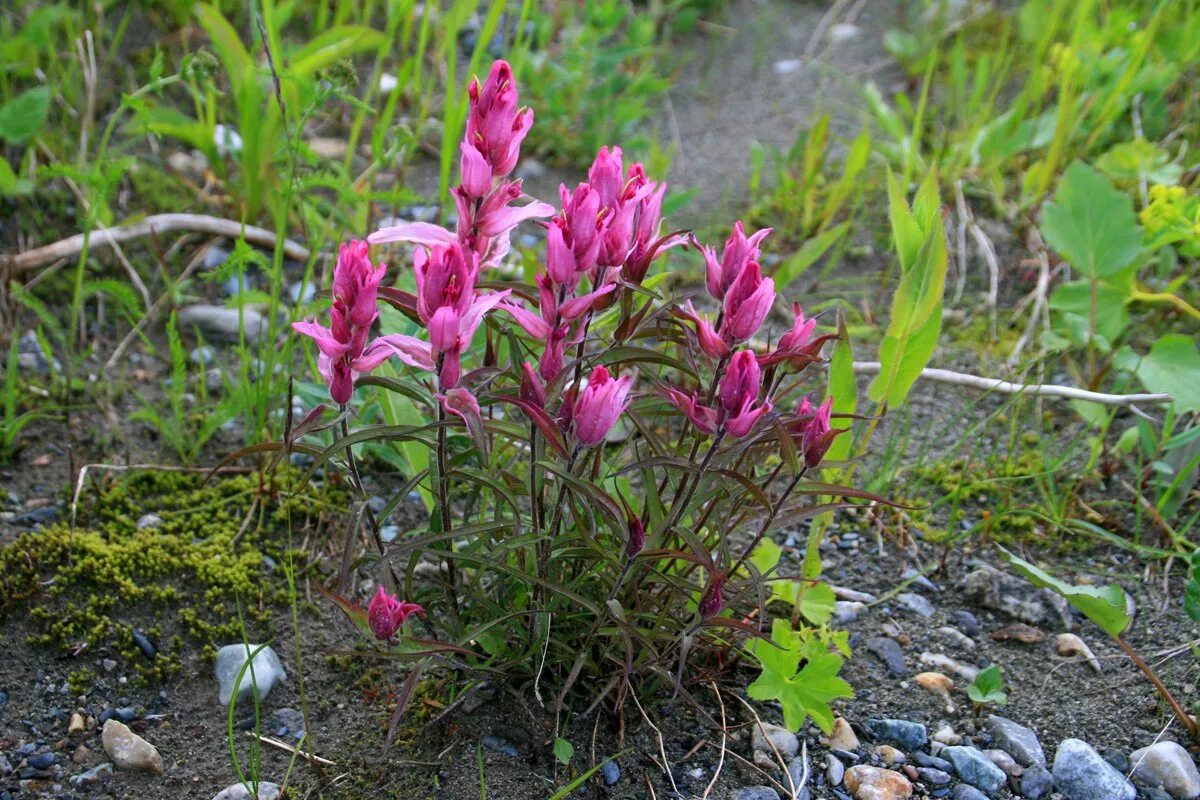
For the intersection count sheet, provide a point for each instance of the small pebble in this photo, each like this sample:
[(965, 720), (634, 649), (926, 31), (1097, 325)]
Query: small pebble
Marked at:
[(610, 772), (906, 734), (500, 746)]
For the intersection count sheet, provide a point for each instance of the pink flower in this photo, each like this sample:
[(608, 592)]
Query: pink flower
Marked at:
[(476, 171), (386, 614), (445, 276), (712, 601), (532, 391), (647, 244), (636, 537), (462, 404), (710, 341), (344, 350), (451, 331), (747, 303), (738, 394), (739, 251), (598, 406), (494, 123), (606, 175), (738, 409), (818, 435), (800, 334)]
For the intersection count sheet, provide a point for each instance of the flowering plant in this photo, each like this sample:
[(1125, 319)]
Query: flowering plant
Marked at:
[(605, 462)]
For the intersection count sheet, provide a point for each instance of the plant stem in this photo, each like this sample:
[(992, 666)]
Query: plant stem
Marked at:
[(770, 519), (1184, 718), (443, 487)]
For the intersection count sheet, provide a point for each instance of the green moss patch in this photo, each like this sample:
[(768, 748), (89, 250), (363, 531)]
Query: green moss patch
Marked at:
[(179, 581)]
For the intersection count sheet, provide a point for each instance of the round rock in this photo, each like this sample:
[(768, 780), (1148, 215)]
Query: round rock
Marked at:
[(1164, 764)]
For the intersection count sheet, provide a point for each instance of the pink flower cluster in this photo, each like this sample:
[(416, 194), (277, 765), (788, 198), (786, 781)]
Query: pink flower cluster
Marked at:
[(609, 230), (386, 614)]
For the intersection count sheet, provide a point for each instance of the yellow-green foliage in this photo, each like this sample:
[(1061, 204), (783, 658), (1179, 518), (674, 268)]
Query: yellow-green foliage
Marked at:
[(176, 581)]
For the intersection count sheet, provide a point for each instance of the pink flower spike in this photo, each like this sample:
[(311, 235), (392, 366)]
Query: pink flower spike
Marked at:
[(598, 406), (356, 283), (532, 390), (740, 386), (606, 175), (425, 233), (386, 614), (494, 124)]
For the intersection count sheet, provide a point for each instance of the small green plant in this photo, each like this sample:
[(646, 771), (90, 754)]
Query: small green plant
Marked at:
[(987, 688), (799, 672), (1106, 606), (187, 423)]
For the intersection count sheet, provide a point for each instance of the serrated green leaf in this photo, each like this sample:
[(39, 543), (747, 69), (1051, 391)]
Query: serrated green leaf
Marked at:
[(803, 692), (1091, 223), (766, 556), (1103, 606)]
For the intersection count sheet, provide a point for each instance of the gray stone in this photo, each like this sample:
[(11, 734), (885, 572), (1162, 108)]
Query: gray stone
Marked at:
[(1018, 741), (93, 776), (888, 651), (834, 770), (218, 323), (1016, 597), (965, 791), (764, 735), (498, 745), (757, 793), (610, 772), (908, 735), (1007, 764), (975, 768), (847, 611), (1081, 774), (933, 777), (1036, 782), (264, 671), (266, 791), (798, 772), (925, 760), (1168, 765), (966, 622), (148, 521)]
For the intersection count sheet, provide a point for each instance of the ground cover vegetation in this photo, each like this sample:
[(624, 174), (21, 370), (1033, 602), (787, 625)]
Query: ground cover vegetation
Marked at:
[(372, 332)]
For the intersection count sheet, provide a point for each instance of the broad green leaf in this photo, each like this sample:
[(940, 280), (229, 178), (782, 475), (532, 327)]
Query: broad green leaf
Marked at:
[(816, 601), (1111, 315), (10, 184), (803, 692), (1173, 366), (21, 116), (988, 687), (906, 232), (1103, 606), (843, 388), (563, 750), (1091, 223), (766, 556), (1137, 159)]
